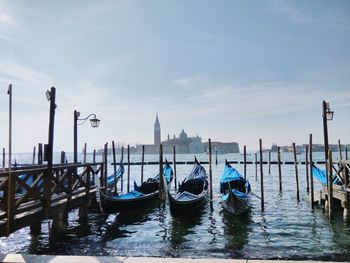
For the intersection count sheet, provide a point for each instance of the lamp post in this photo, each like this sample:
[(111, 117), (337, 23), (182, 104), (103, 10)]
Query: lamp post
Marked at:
[(327, 115), (94, 124)]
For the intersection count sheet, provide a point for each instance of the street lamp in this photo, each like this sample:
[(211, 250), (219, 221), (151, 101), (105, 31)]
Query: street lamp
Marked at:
[(94, 122), (327, 115)]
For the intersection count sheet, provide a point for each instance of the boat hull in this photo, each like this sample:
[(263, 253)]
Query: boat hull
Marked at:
[(177, 205), (236, 205)]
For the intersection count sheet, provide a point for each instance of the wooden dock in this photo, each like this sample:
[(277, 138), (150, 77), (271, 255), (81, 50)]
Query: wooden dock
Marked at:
[(34, 193)]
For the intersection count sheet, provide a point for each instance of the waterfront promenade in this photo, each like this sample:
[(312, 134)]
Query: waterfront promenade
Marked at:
[(25, 258)]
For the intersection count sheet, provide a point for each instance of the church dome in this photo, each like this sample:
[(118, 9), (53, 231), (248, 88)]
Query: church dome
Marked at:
[(183, 134)]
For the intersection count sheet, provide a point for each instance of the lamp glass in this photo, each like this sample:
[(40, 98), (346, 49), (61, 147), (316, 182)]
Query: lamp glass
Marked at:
[(94, 122), (329, 115)]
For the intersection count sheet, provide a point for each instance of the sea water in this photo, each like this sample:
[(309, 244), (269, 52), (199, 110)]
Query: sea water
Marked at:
[(286, 229)]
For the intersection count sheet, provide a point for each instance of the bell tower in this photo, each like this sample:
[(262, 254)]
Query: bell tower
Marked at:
[(157, 131)]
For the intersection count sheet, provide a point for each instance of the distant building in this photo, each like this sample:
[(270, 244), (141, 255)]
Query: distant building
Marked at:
[(185, 144)]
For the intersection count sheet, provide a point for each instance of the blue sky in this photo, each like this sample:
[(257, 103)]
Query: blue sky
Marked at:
[(225, 70)]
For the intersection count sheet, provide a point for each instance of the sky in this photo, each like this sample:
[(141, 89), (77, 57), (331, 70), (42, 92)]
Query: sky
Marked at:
[(225, 70)]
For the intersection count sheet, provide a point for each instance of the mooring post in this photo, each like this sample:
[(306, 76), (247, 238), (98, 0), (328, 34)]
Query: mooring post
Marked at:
[(174, 163), (296, 171), (114, 169), (330, 184), (85, 149), (94, 156), (33, 159), (279, 167), (47, 178), (245, 161), (210, 176), (256, 165), (63, 157), (161, 192), (269, 162), (122, 163), (347, 203), (3, 157), (340, 155), (128, 185), (40, 153), (142, 162), (216, 156), (261, 175), (307, 168), (346, 153), (106, 167), (311, 172)]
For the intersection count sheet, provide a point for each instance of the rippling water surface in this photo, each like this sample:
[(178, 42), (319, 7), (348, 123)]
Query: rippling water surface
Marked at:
[(287, 229)]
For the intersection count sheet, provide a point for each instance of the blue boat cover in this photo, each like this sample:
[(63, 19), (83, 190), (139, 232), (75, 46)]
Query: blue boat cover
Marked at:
[(131, 195), (321, 175), (120, 172), (198, 172), (230, 174)]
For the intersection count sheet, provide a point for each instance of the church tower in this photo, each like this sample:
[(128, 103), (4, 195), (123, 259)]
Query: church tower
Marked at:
[(157, 131)]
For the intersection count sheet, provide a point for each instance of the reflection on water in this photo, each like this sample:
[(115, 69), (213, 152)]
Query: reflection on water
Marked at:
[(287, 229)]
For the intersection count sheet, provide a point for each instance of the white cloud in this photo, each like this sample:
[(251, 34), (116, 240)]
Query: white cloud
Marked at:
[(191, 82)]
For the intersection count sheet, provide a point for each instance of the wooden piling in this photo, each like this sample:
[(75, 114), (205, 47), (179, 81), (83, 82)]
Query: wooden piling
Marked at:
[(311, 172), (307, 168), (106, 166), (3, 157), (346, 153), (122, 163), (256, 165), (216, 156), (85, 148), (261, 175), (94, 156), (330, 184), (245, 161), (269, 162), (114, 169), (174, 164), (296, 171), (161, 192), (340, 155), (33, 159), (279, 168), (128, 185), (210, 176), (142, 162), (63, 157), (40, 153)]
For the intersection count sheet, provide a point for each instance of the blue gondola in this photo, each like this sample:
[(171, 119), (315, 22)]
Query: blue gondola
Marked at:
[(192, 191), (321, 176), (139, 197), (234, 190)]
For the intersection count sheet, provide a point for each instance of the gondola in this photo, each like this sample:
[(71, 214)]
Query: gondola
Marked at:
[(192, 191), (119, 174), (139, 197), (234, 191)]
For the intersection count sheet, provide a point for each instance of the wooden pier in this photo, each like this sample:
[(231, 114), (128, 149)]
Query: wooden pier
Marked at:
[(31, 194)]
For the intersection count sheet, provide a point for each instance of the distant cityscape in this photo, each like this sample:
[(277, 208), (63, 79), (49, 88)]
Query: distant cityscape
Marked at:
[(183, 144), (194, 145)]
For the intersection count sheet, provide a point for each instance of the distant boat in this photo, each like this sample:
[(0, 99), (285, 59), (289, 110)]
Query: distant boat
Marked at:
[(192, 191), (234, 190), (142, 195)]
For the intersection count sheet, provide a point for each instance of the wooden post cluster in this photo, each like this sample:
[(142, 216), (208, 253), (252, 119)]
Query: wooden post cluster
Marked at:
[(261, 176), (296, 171)]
